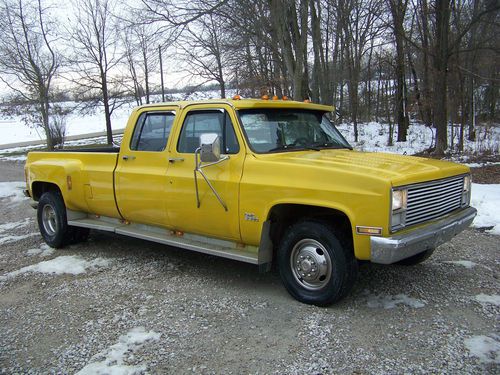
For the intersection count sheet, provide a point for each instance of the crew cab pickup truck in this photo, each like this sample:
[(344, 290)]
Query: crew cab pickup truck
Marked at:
[(259, 181)]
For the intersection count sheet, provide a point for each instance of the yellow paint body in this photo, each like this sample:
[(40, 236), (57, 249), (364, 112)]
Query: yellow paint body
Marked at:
[(158, 188)]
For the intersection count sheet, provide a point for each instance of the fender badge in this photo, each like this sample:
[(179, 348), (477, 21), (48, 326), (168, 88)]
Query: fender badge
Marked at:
[(251, 217)]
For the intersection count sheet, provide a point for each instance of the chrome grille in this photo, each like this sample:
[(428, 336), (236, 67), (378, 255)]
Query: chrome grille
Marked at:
[(433, 199)]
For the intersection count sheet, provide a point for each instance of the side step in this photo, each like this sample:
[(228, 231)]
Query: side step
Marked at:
[(201, 244)]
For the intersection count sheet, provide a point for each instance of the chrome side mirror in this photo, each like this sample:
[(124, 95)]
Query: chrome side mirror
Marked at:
[(209, 153), (209, 148)]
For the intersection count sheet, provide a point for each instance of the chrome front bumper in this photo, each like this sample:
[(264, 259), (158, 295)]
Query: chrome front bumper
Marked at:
[(387, 250)]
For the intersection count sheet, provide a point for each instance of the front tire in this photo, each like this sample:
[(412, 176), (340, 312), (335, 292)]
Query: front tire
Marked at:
[(315, 266)]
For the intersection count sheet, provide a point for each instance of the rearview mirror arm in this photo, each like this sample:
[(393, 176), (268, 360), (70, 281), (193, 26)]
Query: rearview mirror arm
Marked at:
[(199, 169)]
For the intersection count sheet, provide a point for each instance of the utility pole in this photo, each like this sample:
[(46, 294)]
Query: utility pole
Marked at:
[(161, 76)]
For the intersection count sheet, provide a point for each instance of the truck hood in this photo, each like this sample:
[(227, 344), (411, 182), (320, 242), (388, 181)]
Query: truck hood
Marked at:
[(398, 169)]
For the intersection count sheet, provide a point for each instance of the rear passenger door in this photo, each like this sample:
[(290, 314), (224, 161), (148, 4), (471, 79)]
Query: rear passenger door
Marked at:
[(141, 174), (210, 218)]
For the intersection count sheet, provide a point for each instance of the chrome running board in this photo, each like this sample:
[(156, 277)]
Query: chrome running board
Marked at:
[(193, 242)]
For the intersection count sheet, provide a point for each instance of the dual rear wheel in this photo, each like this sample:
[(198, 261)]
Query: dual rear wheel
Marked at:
[(53, 223)]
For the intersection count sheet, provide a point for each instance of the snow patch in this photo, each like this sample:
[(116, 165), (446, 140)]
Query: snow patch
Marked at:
[(10, 239), (69, 264), (44, 251), (111, 361), (14, 225), (485, 298), (464, 263), (479, 165), (486, 199), (390, 302), (14, 158), (13, 190), (485, 348)]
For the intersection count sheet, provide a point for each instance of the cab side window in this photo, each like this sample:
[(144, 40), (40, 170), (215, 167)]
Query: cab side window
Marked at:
[(197, 123), (151, 131)]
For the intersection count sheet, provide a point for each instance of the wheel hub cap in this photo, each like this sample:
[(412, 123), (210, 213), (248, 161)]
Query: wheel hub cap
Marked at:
[(311, 264), (49, 220)]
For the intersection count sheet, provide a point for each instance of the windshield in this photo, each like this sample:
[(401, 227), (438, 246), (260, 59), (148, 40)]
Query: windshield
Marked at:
[(278, 130)]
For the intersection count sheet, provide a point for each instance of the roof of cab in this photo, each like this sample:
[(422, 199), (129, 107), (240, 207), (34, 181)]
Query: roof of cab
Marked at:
[(244, 104)]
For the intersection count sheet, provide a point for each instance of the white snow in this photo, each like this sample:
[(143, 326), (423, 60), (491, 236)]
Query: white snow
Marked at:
[(486, 199), (373, 136), (44, 251), (13, 190), (69, 264), (485, 348), (477, 165), (13, 128), (14, 225), (485, 298), (464, 263), (10, 239), (390, 302), (112, 360)]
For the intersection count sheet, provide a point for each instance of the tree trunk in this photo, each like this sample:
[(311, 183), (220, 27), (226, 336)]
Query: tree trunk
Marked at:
[(441, 75), (107, 110), (398, 10), (426, 77)]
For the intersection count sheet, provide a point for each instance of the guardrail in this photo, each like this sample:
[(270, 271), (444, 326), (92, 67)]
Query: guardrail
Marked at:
[(68, 138)]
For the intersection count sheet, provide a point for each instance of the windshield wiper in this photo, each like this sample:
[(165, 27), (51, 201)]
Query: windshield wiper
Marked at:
[(329, 145), (293, 146)]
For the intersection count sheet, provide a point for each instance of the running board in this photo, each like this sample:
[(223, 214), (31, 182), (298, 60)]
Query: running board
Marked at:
[(201, 244)]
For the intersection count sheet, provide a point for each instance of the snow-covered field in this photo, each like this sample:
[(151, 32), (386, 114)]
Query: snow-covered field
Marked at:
[(14, 130)]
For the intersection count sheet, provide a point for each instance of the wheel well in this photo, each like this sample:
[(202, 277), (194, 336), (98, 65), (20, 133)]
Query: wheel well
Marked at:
[(284, 215), (40, 187)]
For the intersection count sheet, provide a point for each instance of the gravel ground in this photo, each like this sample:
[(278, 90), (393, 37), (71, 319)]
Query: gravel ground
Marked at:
[(140, 307)]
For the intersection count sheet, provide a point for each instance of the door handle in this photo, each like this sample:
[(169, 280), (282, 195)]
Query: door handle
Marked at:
[(173, 160), (128, 157)]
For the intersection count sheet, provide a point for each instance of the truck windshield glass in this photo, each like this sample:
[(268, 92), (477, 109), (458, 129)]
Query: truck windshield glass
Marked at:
[(278, 130)]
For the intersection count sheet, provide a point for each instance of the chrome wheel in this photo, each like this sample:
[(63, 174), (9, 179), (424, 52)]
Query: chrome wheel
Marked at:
[(311, 264), (49, 220)]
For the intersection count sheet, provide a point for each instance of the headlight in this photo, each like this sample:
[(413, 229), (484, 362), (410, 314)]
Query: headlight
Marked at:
[(398, 203), (399, 198)]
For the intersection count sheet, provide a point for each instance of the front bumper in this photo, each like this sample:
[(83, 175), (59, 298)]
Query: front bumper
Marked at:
[(387, 250)]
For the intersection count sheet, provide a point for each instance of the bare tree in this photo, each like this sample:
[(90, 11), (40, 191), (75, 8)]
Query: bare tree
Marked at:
[(360, 25), (141, 47), (203, 50), (291, 23), (29, 61), (398, 12), (97, 53)]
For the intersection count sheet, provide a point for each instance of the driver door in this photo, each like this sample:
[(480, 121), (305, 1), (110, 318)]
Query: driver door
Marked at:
[(210, 218)]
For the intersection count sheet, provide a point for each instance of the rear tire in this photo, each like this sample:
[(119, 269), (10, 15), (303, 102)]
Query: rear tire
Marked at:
[(52, 222), (315, 266)]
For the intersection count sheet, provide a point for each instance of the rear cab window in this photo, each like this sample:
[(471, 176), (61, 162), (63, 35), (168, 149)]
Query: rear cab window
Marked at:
[(152, 131)]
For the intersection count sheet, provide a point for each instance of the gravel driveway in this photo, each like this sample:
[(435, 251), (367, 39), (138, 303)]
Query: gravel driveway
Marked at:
[(138, 307)]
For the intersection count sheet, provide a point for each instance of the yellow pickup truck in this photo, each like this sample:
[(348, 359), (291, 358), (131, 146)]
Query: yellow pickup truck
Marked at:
[(259, 181)]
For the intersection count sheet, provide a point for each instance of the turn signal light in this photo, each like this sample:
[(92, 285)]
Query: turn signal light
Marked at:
[(275, 97), (284, 97), (236, 97), (265, 97)]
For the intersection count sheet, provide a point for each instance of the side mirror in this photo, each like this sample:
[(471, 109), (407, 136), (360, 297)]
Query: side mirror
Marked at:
[(209, 148)]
